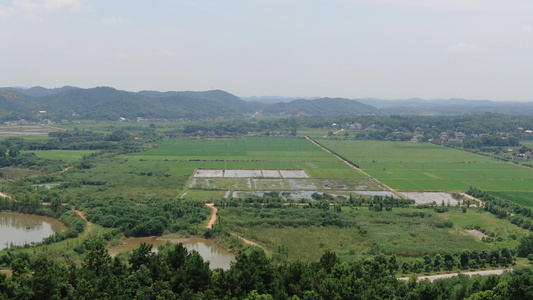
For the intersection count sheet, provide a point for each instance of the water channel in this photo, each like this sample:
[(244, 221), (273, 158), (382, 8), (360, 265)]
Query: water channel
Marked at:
[(217, 257), (19, 229)]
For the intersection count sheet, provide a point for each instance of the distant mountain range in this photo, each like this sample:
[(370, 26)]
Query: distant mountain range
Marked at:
[(105, 103)]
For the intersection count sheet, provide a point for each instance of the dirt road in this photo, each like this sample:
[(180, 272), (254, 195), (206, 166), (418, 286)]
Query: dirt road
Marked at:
[(481, 203), (441, 276), (213, 215), (250, 242), (4, 195), (89, 224)]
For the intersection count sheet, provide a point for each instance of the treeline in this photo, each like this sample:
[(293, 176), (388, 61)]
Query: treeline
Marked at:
[(497, 130), (175, 273)]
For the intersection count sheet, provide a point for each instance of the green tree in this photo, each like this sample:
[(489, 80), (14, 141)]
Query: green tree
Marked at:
[(525, 247)]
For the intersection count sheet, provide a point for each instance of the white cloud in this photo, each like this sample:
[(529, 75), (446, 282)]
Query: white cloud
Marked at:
[(40, 6), (114, 20), (526, 28), (463, 48), (3, 12)]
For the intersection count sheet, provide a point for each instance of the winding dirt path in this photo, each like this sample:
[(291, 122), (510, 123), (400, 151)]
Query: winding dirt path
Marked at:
[(441, 276), (4, 195), (213, 220), (64, 170), (89, 224), (213, 215), (248, 242)]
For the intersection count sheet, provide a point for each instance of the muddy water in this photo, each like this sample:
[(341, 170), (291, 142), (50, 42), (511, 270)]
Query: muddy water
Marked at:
[(19, 229), (217, 257)]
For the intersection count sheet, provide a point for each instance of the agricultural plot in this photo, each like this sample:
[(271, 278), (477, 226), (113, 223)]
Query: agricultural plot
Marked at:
[(429, 197), (522, 198), (251, 173), (245, 165), (427, 167)]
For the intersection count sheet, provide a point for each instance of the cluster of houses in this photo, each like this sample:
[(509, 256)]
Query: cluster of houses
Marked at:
[(353, 126)]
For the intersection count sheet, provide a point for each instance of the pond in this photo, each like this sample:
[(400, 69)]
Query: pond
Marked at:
[(217, 257), (19, 229)]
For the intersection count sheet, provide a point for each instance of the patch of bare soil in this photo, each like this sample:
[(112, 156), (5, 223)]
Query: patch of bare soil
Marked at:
[(480, 235), (441, 276), (213, 215)]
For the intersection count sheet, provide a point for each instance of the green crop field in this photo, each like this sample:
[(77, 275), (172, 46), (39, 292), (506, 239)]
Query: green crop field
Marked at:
[(399, 152), (428, 167), (522, 198), (184, 156)]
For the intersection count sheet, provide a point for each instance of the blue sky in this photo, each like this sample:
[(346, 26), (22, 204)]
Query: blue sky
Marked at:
[(391, 49)]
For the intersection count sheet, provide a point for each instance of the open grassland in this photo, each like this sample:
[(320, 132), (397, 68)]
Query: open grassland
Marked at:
[(306, 232), (112, 178), (428, 167), (502, 232), (206, 196), (68, 155)]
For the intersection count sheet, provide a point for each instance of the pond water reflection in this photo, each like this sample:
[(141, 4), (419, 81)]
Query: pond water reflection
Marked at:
[(217, 257), (19, 229)]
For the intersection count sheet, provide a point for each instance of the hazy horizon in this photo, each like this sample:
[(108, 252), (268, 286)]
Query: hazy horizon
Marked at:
[(402, 49)]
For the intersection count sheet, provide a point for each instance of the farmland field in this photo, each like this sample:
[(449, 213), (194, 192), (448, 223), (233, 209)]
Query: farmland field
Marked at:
[(427, 167), (290, 160), (522, 198)]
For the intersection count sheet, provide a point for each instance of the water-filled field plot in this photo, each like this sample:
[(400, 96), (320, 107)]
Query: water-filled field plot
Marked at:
[(431, 197), (427, 167), (251, 173)]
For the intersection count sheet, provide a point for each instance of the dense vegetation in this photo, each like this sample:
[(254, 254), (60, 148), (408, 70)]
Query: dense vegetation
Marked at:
[(175, 273)]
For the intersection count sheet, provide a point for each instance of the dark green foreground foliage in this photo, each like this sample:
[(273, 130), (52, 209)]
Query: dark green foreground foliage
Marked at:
[(176, 273)]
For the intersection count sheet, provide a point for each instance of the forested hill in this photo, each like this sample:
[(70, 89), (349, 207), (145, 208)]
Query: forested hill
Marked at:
[(105, 103), (322, 106)]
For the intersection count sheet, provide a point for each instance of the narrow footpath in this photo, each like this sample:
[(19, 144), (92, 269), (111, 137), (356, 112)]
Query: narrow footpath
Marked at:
[(89, 224), (213, 215)]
